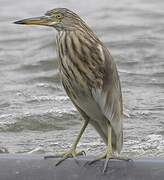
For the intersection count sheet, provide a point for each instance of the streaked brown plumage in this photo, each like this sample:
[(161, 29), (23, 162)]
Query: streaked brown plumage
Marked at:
[(89, 76)]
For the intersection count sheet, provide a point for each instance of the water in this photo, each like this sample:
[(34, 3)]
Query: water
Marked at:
[(36, 116)]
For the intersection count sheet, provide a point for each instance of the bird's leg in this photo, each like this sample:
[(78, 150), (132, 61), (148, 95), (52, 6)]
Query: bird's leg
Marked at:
[(72, 152), (109, 152)]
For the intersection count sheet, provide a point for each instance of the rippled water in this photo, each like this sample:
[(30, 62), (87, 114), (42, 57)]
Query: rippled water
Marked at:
[(36, 116)]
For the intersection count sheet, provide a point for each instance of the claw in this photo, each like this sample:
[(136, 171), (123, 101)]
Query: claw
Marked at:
[(70, 154), (83, 153), (107, 157), (109, 153)]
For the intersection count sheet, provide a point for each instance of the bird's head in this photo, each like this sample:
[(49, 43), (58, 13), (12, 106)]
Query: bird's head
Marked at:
[(59, 18)]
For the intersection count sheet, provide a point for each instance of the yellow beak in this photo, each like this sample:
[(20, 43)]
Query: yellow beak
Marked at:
[(43, 20)]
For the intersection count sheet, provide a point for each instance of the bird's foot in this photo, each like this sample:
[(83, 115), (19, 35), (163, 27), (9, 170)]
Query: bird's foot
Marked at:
[(107, 157), (69, 154)]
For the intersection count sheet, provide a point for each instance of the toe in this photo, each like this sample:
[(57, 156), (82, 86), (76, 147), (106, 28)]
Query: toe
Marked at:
[(71, 153)]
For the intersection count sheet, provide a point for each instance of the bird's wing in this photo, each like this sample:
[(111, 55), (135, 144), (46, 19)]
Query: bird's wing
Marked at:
[(108, 96)]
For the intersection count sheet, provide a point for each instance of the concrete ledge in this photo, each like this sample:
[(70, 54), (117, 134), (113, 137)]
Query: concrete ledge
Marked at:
[(35, 167)]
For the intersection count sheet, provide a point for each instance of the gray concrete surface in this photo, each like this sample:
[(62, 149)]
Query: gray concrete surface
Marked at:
[(35, 167)]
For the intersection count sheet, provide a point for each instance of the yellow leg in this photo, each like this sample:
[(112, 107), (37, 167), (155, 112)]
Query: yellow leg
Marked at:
[(72, 152), (109, 152)]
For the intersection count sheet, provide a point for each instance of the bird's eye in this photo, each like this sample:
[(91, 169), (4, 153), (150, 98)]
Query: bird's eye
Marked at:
[(58, 16)]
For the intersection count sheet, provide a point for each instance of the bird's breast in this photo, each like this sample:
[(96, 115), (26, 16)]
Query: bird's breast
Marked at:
[(81, 70), (81, 60)]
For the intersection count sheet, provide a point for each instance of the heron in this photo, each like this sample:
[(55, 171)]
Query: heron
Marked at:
[(90, 78)]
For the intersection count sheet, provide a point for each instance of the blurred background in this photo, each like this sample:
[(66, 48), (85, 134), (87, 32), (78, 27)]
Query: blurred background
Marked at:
[(36, 116)]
